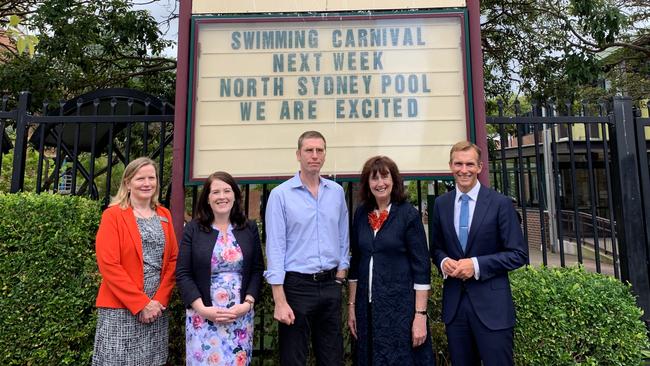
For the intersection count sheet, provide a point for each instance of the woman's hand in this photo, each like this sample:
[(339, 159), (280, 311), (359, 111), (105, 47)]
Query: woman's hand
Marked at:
[(352, 320), (240, 309), (151, 312), (419, 329), (218, 315)]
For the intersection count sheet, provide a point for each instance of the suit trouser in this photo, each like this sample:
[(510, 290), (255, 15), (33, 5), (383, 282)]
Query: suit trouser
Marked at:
[(316, 305), (470, 341)]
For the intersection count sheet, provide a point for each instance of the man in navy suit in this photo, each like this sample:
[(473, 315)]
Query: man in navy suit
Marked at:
[(476, 241)]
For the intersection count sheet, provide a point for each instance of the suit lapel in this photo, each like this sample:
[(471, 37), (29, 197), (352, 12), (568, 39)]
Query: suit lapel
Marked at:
[(365, 230), (129, 220), (208, 242), (243, 244), (394, 208), (449, 205), (480, 210)]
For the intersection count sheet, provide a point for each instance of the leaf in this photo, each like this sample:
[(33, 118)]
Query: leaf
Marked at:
[(32, 48), (21, 43), (14, 20)]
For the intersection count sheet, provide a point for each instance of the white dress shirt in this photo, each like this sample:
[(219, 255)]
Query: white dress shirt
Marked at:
[(473, 197)]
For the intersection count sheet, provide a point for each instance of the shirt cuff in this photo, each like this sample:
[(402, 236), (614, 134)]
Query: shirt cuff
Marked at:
[(417, 286), (477, 271), (442, 262), (349, 280), (274, 277)]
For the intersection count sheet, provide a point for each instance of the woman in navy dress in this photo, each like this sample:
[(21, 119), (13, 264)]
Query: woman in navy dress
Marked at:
[(389, 272)]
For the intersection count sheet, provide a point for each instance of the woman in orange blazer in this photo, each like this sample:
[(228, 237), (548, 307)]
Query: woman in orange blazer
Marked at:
[(136, 255)]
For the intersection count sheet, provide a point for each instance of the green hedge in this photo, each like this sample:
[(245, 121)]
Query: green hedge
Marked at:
[(565, 316), (568, 316), (48, 279)]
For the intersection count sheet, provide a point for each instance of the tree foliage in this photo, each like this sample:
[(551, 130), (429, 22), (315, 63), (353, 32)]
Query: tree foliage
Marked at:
[(21, 8), (539, 48), (89, 44), (24, 42), (546, 48)]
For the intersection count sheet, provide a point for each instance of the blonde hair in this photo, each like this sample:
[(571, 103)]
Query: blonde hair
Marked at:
[(122, 198), (464, 146)]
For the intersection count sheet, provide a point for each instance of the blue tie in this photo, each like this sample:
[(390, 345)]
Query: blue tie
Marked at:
[(463, 223)]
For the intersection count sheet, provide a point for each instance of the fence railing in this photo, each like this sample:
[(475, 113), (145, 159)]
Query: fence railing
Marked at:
[(566, 168), (556, 175), (81, 146), (586, 161)]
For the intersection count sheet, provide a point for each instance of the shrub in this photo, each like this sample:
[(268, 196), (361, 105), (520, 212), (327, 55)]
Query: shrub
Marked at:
[(567, 316), (48, 279), (436, 326)]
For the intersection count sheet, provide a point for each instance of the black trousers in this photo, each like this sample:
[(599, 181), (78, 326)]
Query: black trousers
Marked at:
[(316, 304)]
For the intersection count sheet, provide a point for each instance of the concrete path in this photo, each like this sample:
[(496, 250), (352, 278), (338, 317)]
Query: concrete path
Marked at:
[(553, 260)]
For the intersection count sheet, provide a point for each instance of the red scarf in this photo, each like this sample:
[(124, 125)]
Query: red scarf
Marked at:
[(377, 221)]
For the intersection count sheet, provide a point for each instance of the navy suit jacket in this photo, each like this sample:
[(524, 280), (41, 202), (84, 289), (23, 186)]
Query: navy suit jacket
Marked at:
[(193, 268), (496, 240)]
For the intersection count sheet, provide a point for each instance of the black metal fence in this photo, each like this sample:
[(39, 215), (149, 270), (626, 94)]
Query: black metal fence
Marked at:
[(578, 175), (643, 153), (558, 167), (81, 146)]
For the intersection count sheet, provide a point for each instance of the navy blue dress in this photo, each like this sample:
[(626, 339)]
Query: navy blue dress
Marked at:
[(400, 259)]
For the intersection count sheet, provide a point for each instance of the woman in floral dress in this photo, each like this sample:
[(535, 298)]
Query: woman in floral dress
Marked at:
[(219, 274)]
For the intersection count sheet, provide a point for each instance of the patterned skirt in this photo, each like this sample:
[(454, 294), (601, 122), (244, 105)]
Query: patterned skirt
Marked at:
[(121, 340)]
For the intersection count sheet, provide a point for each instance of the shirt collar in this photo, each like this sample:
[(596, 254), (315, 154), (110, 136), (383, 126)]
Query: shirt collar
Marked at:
[(473, 193), (387, 208), (295, 181)]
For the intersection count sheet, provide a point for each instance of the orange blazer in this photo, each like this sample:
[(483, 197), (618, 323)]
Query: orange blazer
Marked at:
[(119, 257)]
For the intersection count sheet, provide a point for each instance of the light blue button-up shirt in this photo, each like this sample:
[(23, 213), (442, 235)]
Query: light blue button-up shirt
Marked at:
[(306, 234)]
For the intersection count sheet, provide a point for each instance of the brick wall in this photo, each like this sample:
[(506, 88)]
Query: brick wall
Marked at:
[(534, 227)]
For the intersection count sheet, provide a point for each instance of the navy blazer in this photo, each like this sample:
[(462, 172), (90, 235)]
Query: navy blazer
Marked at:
[(193, 271), (496, 240)]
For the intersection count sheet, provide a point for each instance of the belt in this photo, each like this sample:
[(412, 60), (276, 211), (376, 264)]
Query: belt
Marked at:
[(325, 275)]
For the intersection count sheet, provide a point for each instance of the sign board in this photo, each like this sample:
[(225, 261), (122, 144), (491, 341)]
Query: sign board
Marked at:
[(380, 84), (274, 6)]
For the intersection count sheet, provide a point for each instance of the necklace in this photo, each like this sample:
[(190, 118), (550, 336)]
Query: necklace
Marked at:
[(141, 215)]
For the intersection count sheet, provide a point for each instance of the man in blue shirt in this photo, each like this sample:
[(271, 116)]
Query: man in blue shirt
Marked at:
[(307, 253)]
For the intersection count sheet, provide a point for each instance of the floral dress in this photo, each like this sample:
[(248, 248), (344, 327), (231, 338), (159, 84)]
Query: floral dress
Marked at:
[(209, 343)]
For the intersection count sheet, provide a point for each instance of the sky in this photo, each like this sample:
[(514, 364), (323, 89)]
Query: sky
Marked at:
[(161, 10)]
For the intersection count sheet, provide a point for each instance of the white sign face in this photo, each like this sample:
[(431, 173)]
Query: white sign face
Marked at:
[(393, 86), (274, 6)]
